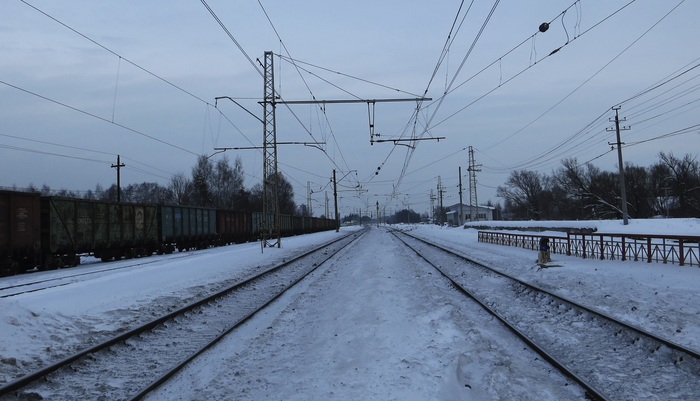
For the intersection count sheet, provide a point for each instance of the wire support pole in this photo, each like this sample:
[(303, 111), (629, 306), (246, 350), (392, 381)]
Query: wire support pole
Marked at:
[(335, 198), (473, 201), (619, 143), (270, 214), (460, 220)]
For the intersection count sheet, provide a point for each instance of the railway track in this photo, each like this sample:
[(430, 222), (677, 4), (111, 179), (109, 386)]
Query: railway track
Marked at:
[(610, 359), (30, 283), (134, 363)]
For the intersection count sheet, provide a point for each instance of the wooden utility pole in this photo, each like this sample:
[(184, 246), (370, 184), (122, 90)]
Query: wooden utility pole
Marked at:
[(308, 198), (441, 193), (118, 166), (623, 191), (461, 212)]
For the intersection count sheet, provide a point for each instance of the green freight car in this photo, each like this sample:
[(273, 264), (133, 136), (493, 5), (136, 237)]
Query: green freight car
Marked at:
[(108, 230), (187, 227)]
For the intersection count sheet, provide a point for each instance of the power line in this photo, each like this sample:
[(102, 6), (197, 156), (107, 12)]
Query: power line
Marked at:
[(310, 92), (149, 72), (413, 120), (56, 144), (87, 113), (549, 152), (24, 149), (687, 130), (296, 63), (410, 151), (531, 65), (233, 39), (673, 76), (113, 52), (448, 43)]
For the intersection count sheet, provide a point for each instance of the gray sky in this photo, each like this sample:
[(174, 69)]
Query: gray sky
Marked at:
[(84, 81)]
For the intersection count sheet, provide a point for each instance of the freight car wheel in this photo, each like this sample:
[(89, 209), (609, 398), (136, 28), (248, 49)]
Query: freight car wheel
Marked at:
[(106, 255), (10, 269), (51, 262)]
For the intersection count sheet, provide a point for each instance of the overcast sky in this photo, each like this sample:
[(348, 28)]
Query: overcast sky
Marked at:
[(84, 81)]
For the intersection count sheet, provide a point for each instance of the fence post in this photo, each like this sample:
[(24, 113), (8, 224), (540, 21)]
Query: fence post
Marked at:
[(648, 249), (602, 248), (568, 243), (624, 249), (681, 257)]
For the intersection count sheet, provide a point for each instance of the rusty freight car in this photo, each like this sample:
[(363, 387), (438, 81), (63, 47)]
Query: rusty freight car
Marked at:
[(20, 231)]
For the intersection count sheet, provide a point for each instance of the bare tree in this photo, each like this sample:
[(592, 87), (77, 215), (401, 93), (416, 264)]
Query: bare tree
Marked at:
[(592, 190), (180, 189), (683, 181), (639, 195), (527, 193)]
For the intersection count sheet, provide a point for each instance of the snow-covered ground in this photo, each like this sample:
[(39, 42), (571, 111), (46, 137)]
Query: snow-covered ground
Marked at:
[(375, 325)]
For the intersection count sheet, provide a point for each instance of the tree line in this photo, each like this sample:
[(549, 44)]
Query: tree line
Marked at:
[(217, 184), (670, 188)]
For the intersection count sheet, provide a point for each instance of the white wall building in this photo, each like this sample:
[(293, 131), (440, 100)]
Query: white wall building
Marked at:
[(469, 213)]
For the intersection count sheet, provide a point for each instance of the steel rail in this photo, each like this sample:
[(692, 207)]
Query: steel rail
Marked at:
[(100, 269), (167, 375), (669, 343), (43, 372), (591, 391)]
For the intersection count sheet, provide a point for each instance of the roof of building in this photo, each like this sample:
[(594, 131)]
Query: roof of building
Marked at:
[(456, 206)]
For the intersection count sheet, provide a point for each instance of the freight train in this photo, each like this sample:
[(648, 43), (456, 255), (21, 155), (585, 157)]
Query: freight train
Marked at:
[(49, 232)]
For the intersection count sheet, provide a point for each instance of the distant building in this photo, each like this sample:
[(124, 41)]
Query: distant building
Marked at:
[(469, 213)]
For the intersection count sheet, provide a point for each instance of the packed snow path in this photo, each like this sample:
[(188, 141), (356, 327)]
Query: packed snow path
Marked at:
[(376, 325)]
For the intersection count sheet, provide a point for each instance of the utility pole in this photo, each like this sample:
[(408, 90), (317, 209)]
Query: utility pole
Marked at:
[(441, 192), (118, 166), (623, 192), (308, 198), (432, 204), (459, 219), (473, 169), (377, 213), (335, 196)]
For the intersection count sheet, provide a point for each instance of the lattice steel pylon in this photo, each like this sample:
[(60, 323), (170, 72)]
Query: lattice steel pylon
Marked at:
[(473, 203), (270, 227)]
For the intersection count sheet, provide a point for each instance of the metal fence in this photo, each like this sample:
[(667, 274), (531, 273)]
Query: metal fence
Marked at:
[(674, 249)]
